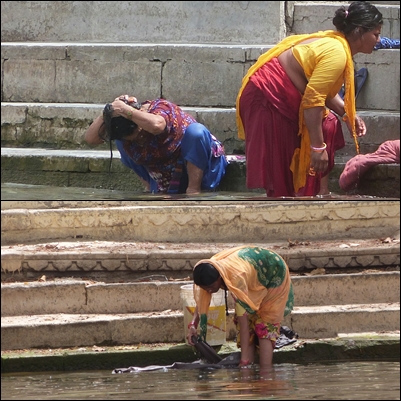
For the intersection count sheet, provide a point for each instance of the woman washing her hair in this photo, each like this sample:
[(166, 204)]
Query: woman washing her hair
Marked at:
[(167, 148), (283, 106), (259, 280)]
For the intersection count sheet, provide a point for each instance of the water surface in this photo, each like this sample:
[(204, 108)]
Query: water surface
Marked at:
[(20, 192), (318, 381)]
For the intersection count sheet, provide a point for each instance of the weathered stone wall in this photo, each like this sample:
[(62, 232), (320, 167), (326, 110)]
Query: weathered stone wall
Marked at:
[(143, 22)]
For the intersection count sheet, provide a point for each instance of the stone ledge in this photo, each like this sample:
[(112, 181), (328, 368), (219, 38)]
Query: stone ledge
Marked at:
[(137, 260), (257, 222), (383, 346), (37, 72), (89, 169), (82, 330), (380, 346), (86, 296), (63, 125), (79, 330)]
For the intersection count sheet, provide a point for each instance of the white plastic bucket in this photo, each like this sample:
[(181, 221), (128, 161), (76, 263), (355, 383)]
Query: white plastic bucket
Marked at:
[(216, 317)]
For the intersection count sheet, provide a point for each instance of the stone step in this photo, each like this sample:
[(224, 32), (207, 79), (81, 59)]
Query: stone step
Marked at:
[(74, 330), (203, 222), (176, 21), (72, 73), (63, 125), (111, 261), (90, 169), (107, 261), (85, 297), (330, 321), (104, 22)]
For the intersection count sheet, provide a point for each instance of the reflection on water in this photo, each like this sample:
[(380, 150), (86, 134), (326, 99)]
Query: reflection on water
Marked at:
[(332, 381), (20, 192)]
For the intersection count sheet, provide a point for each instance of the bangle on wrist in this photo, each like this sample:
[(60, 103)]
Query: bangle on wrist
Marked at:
[(192, 324), (320, 150)]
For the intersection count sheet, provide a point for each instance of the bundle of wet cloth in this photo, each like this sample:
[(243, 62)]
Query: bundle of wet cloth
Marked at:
[(208, 354), (387, 153)]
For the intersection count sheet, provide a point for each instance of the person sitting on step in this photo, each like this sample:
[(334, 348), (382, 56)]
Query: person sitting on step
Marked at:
[(166, 147)]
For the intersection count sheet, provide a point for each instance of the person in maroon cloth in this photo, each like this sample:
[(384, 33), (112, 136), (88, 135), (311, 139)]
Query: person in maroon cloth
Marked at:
[(288, 106)]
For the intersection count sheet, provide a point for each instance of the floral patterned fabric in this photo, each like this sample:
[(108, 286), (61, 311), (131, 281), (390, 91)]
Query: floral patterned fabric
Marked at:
[(257, 327), (161, 153)]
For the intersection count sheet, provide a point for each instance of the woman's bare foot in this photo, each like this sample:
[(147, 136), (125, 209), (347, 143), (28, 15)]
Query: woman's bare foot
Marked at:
[(146, 185), (195, 176), (327, 195), (324, 186), (192, 191)]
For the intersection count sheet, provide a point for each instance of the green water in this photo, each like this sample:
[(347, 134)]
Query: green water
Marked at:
[(10, 191), (367, 380)]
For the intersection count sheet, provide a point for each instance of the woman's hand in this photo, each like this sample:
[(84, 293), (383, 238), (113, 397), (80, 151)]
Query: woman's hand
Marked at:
[(319, 161), (360, 126), (119, 108), (191, 332), (127, 99), (121, 105)]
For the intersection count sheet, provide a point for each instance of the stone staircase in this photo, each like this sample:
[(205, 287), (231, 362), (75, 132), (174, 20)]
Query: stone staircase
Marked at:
[(81, 313), (109, 272), (67, 62)]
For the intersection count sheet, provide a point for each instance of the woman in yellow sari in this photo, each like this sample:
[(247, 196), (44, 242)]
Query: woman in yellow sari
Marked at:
[(286, 102), (259, 280)]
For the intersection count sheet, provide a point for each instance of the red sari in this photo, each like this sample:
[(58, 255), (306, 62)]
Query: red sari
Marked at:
[(269, 108)]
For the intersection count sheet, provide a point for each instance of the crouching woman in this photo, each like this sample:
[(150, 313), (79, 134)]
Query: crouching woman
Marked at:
[(260, 283)]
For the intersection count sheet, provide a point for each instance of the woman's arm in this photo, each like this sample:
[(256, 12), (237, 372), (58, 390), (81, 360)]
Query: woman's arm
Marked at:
[(92, 135), (313, 120), (193, 326), (336, 104)]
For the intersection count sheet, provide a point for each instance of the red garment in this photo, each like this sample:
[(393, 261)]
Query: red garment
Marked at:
[(387, 153), (269, 108)]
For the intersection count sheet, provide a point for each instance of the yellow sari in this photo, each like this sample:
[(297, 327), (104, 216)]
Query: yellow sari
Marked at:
[(301, 158), (258, 278)]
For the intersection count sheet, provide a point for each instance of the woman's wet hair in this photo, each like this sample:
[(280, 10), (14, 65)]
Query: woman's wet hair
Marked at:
[(116, 127), (359, 14), (205, 274)]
